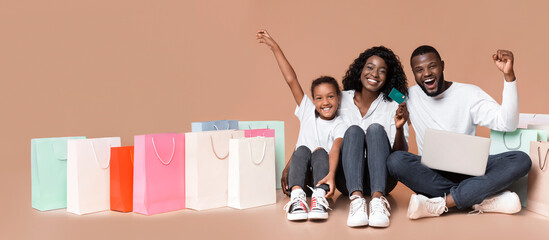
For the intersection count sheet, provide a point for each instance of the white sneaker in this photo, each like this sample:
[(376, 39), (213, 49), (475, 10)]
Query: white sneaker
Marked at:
[(297, 208), (379, 212), (357, 212), (421, 206), (319, 204), (505, 202)]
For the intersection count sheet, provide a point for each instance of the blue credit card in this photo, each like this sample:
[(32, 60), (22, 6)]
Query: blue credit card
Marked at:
[(397, 96)]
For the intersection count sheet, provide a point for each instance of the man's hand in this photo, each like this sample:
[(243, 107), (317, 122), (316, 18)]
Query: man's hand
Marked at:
[(504, 60)]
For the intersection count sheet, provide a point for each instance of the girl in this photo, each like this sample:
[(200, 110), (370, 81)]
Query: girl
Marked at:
[(320, 137), (377, 128)]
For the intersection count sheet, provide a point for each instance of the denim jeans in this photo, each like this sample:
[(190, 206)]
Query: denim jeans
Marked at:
[(303, 164), (368, 174), (501, 171)]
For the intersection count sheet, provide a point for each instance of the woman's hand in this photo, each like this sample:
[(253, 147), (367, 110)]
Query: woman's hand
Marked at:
[(401, 115), (263, 36), (330, 181)]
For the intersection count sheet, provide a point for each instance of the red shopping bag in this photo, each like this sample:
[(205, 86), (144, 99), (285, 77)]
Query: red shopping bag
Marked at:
[(122, 179)]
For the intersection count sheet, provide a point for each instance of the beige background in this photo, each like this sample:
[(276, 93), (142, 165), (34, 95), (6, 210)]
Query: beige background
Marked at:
[(122, 68)]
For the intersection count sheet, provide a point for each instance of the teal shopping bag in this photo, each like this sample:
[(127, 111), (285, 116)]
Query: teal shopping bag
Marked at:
[(518, 140), (49, 172), (278, 126)]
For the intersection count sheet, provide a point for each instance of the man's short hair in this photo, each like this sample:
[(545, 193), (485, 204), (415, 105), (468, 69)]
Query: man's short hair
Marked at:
[(424, 49)]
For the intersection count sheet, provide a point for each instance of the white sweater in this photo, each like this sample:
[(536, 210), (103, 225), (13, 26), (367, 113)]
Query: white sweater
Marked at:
[(461, 108)]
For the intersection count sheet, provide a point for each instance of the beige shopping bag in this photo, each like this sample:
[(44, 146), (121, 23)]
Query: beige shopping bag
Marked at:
[(252, 176), (538, 179), (88, 174), (206, 168)]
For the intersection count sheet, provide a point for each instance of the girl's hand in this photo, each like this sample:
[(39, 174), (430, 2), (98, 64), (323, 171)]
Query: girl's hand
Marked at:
[(263, 36), (284, 179), (401, 115), (330, 181)]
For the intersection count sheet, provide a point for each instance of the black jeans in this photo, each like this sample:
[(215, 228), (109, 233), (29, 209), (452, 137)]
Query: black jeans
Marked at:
[(303, 164)]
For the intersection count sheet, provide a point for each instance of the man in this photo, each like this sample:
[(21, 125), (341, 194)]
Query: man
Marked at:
[(455, 107)]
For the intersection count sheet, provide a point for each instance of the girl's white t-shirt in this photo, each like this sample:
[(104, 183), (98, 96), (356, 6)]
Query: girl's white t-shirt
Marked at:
[(381, 112), (315, 132)]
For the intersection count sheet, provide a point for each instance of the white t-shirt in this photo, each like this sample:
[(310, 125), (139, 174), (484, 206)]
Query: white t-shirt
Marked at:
[(461, 108), (380, 111), (315, 132)]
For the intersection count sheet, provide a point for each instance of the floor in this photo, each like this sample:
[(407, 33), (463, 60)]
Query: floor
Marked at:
[(266, 222)]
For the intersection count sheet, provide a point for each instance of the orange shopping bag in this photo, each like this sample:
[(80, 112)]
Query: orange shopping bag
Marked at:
[(122, 179)]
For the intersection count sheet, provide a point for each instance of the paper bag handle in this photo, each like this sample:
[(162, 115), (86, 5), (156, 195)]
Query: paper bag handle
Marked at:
[(97, 160), (262, 156), (542, 166), (156, 151), (217, 129), (213, 148), (512, 148), (250, 127)]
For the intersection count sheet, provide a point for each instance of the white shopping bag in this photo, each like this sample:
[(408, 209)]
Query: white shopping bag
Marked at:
[(206, 168), (252, 179), (88, 174), (532, 118)]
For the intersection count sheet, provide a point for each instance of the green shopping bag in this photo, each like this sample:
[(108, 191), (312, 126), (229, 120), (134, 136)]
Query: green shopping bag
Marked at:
[(278, 126), (49, 172), (518, 140)]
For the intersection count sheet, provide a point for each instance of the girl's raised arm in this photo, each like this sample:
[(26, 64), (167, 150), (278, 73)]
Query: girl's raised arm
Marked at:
[(263, 36)]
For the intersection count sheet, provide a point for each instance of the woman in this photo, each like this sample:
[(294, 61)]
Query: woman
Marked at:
[(377, 128)]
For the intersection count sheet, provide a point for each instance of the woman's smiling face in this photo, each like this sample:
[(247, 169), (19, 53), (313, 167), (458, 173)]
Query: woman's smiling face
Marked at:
[(374, 74)]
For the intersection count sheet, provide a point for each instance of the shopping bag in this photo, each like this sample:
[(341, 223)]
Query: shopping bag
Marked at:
[(88, 174), (541, 126), (518, 140), (538, 179), (121, 188), (159, 173), (49, 172), (532, 118), (251, 180), (214, 125), (278, 126), (206, 168)]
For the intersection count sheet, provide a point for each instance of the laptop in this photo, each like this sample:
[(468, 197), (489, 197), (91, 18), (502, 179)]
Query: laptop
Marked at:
[(454, 152)]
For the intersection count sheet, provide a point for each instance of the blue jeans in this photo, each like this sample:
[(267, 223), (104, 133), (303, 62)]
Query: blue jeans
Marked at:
[(501, 171), (304, 163), (366, 174)]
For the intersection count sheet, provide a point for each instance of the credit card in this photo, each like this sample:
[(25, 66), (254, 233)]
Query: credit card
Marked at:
[(397, 96)]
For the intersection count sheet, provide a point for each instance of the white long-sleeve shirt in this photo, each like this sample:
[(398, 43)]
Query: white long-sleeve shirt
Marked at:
[(461, 108)]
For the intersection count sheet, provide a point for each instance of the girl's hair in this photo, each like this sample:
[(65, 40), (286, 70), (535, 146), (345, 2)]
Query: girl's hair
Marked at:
[(395, 74), (325, 79)]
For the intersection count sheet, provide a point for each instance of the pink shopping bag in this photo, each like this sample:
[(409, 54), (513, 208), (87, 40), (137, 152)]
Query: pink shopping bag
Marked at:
[(159, 173), (259, 133)]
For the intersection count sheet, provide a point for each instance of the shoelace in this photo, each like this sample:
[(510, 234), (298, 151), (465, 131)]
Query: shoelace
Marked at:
[(380, 206), (434, 206), (295, 202), (356, 204), (487, 204), (318, 200)]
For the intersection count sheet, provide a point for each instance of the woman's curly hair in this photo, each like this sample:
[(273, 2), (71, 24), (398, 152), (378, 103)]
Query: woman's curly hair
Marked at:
[(395, 74)]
